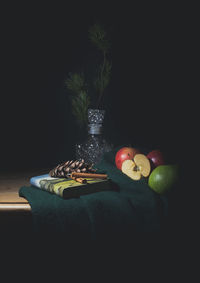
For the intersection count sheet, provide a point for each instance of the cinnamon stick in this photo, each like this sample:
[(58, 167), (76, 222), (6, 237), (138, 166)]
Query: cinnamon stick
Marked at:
[(89, 175), (79, 180)]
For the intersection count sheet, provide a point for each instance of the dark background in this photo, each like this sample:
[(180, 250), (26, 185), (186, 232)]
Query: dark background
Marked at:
[(146, 96)]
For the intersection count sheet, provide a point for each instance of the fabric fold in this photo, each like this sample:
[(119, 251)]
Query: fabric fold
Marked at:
[(99, 216)]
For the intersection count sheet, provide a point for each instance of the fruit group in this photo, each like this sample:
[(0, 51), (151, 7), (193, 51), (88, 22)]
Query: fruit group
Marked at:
[(163, 178), (125, 153), (136, 168), (156, 157)]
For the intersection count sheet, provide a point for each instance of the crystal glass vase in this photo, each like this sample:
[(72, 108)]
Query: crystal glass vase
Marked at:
[(95, 145)]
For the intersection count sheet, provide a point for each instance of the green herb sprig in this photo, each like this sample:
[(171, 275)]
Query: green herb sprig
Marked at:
[(98, 37), (76, 83), (80, 99)]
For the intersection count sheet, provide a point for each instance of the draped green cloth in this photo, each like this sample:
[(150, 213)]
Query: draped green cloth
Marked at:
[(129, 208)]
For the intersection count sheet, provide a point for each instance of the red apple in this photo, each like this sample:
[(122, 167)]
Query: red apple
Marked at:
[(156, 158), (125, 153)]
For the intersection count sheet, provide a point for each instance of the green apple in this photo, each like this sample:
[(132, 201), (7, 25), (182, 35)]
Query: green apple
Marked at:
[(162, 178)]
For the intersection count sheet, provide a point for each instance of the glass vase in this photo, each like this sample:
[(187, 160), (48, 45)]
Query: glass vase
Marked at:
[(95, 145)]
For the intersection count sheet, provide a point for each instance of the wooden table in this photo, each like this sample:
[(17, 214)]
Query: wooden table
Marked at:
[(15, 211), (9, 187)]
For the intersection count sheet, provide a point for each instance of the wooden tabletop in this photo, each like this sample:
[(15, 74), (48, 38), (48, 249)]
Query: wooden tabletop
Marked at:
[(10, 183)]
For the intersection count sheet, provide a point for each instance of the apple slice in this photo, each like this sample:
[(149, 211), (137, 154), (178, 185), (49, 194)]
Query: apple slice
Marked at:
[(136, 168), (129, 168), (143, 164)]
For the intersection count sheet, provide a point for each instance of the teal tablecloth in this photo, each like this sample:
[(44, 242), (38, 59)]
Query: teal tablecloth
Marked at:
[(134, 207)]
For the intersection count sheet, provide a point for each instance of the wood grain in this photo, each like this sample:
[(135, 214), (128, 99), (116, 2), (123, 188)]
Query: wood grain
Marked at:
[(10, 183)]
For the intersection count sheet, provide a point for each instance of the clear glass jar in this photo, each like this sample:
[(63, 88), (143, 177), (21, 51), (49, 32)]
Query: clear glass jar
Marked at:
[(93, 148)]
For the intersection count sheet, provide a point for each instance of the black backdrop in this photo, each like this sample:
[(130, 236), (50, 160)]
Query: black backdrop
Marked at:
[(42, 44)]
